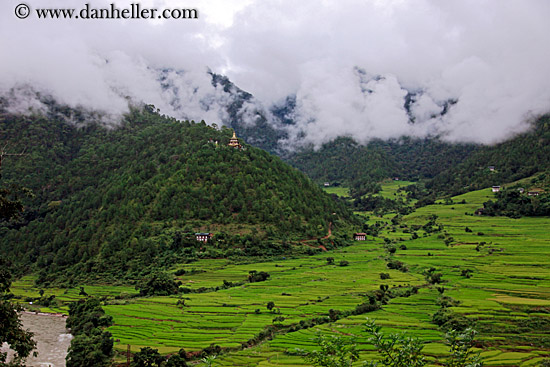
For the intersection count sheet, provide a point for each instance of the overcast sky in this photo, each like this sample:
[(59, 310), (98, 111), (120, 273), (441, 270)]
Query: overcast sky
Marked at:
[(492, 56)]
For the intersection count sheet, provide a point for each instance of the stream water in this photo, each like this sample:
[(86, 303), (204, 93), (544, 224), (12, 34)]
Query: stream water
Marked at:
[(52, 339)]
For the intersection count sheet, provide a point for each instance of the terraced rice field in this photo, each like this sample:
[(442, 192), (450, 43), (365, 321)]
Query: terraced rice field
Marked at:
[(507, 295)]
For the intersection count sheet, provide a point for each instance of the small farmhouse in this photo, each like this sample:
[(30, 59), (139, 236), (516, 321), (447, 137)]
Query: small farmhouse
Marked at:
[(203, 237), (533, 193), (327, 184), (491, 168), (360, 236), (496, 188)]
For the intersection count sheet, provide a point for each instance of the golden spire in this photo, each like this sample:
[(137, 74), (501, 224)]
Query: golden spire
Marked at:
[(234, 142)]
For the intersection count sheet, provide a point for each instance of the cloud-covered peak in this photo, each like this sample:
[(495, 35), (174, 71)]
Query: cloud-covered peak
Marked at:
[(465, 70)]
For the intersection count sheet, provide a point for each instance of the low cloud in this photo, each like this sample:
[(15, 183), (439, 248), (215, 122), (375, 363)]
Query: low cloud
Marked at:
[(367, 69)]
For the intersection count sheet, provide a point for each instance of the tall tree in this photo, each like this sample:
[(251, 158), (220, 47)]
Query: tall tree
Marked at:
[(11, 328)]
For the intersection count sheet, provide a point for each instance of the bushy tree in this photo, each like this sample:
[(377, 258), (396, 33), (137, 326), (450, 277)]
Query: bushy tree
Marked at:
[(176, 360), (86, 315), (90, 350), (257, 276), (91, 345), (11, 329), (334, 351), (461, 344), (396, 350), (147, 357), (157, 283)]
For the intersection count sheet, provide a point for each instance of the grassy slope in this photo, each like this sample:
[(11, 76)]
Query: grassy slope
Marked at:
[(508, 287)]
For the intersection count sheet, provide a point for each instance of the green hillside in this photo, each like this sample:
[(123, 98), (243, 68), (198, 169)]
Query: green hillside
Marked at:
[(115, 201), (346, 162), (445, 168), (514, 159)]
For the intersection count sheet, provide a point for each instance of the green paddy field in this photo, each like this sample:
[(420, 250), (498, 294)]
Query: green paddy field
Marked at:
[(507, 295)]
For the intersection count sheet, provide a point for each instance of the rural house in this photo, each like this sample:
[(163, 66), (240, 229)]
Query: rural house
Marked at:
[(203, 237), (360, 236)]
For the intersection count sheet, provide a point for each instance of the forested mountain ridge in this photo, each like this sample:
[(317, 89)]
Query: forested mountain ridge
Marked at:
[(445, 168), (517, 158), (131, 197), (346, 162)]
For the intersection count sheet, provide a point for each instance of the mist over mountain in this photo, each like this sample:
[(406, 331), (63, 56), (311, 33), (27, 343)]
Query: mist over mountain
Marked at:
[(215, 99), (305, 74)]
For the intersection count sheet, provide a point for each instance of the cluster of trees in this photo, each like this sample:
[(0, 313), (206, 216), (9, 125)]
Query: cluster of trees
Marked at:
[(11, 328), (91, 346), (514, 204), (149, 357), (157, 283), (380, 205), (117, 198)]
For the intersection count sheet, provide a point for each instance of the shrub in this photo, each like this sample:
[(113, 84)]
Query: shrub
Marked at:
[(434, 278), (147, 357), (449, 320), (333, 351), (179, 272), (91, 346), (255, 276), (395, 349), (397, 265), (157, 283)]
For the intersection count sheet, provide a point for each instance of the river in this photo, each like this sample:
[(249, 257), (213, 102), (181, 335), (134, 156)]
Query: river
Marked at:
[(51, 336)]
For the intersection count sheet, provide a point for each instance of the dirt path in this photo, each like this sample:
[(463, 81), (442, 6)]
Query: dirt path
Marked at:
[(305, 242)]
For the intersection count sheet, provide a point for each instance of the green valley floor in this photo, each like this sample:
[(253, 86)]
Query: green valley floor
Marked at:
[(497, 268)]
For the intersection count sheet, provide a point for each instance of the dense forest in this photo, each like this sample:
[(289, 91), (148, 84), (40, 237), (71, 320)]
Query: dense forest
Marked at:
[(344, 161), (514, 159), (116, 201), (440, 168)]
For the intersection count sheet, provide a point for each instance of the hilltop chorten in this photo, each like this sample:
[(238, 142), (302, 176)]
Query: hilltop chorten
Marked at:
[(234, 141)]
